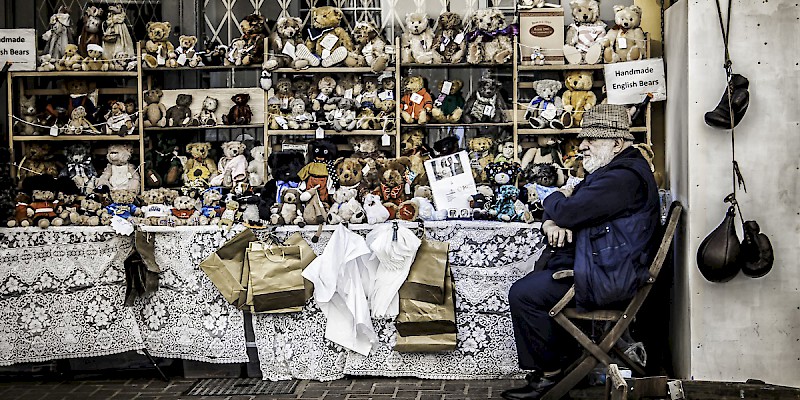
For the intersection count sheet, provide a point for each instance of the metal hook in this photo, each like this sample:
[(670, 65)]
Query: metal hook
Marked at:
[(394, 231)]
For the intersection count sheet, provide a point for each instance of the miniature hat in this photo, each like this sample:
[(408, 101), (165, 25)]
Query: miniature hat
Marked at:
[(94, 47), (606, 121)]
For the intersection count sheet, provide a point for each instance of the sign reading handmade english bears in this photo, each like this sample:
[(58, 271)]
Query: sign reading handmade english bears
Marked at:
[(629, 82), (18, 46)]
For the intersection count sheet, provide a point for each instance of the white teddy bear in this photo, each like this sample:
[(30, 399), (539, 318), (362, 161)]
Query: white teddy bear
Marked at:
[(346, 208), (257, 168), (373, 207), (417, 41), (625, 42), (583, 44)]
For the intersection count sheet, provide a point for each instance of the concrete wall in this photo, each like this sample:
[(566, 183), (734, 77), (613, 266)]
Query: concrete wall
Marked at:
[(745, 328)]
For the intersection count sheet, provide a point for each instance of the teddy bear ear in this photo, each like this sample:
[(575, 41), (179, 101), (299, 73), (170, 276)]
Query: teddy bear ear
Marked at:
[(636, 9), (298, 21), (618, 8)]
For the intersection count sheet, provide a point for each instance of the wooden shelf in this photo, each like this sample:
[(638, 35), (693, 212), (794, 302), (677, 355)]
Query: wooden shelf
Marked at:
[(328, 132), (570, 131), (456, 65), (189, 128), (209, 68), (76, 138), (331, 70), (473, 125), (559, 67), (60, 92), (62, 74)]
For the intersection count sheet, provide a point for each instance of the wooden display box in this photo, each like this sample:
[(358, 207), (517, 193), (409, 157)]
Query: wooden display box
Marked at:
[(544, 28)]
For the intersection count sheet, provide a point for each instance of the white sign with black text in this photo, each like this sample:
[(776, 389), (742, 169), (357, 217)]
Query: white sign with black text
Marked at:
[(18, 46), (629, 82), (451, 181)]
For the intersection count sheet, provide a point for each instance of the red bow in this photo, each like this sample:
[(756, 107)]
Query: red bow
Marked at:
[(390, 192)]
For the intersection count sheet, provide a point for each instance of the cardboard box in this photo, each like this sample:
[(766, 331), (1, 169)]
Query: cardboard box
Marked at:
[(542, 27)]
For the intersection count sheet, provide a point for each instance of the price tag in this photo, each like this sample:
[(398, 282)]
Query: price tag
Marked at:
[(386, 95), (549, 111), (160, 60), (348, 94), (459, 38), (282, 122), (365, 170), (488, 110), (446, 86), (289, 49), (153, 177), (416, 98), (182, 59), (285, 102), (328, 42), (322, 97), (337, 114), (386, 140), (622, 43), (301, 117), (439, 100), (54, 130), (408, 188), (320, 133)]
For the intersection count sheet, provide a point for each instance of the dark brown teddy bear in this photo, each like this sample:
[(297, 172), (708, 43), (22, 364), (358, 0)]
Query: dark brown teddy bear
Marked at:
[(180, 114), (240, 113), (254, 28), (393, 175), (448, 39)]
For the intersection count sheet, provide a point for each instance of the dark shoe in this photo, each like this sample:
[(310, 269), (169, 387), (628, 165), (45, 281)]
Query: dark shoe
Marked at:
[(536, 388), (720, 117)]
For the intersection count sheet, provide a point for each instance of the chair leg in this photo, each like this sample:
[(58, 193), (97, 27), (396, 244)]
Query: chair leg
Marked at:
[(628, 362), (571, 379)]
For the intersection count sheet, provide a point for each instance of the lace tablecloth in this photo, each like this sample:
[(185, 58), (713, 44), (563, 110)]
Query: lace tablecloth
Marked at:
[(61, 294)]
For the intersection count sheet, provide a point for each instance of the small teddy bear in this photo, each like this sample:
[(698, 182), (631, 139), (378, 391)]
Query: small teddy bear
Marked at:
[(546, 109), (155, 112), (502, 173), (198, 166), (486, 104), (118, 121), (393, 175), (449, 105), (315, 211), (507, 152), (370, 48), (71, 61), (283, 167), (180, 114), (120, 174), (29, 114), (417, 41), (626, 40), (417, 102), (95, 59), (254, 30), (505, 204), (289, 210), (79, 167), (481, 203), (480, 155), (375, 211), (578, 98), (298, 117), (344, 116), (185, 212), (121, 62), (584, 39), (78, 123), (37, 159), (187, 56), (46, 63), (231, 215), (91, 29), (154, 210), (257, 168), (346, 208), (207, 115), (232, 166), (240, 113), (157, 47), (122, 204), (91, 212), (448, 39), (211, 207), (283, 45)]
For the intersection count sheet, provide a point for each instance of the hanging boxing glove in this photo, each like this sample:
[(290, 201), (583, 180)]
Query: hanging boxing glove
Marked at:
[(718, 254), (757, 255), (720, 117)]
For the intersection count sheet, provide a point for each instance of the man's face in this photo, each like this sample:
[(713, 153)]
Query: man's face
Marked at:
[(597, 153)]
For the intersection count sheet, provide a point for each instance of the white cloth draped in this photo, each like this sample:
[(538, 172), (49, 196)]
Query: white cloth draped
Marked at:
[(384, 280)]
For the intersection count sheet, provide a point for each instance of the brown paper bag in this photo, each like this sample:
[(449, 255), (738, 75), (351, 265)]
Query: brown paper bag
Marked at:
[(224, 266), (426, 344), (425, 280), (275, 276), (417, 318)]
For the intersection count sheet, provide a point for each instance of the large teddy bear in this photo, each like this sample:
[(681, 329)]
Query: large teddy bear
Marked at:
[(448, 39), (283, 45), (157, 47), (486, 104), (155, 113), (417, 41), (120, 173), (198, 165), (625, 41), (393, 175), (578, 98), (546, 110), (328, 42), (491, 41), (583, 42), (449, 105), (417, 103), (480, 155), (254, 30), (232, 166), (370, 48), (37, 160)]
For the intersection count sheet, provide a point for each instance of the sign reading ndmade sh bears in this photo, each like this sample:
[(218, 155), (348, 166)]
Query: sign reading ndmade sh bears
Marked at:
[(629, 82), (19, 47)]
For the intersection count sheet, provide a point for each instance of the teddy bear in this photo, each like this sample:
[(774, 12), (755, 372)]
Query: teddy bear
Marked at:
[(214, 53), (366, 147), (155, 112), (91, 212), (283, 167), (572, 159), (448, 38), (481, 203), (118, 121), (547, 150), (120, 173), (346, 208), (153, 210), (321, 170), (417, 102), (446, 146), (344, 116), (163, 166), (289, 210), (625, 41), (157, 47), (583, 43), (480, 155), (198, 166), (486, 104), (417, 41), (325, 88), (326, 41), (78, 123), (79, 167), (37, 159), (59, 35), (298, 117), (504, 208), (254, 31), (578, 98), (79, 92), (91, 31), (29, 115), (185, 212), (180, 114), (36, 204), (507, 152), (207, 115), (283, 45), (257, 167), (240, 113), (502, 173), (46, 63), (211, 207), (232, 166), (283, 92), (374, 210), (95, 59), (546, 109), (423, 198), (187, 56), (393, 175), (71, 60), (116, 36), (234, 54), (491, 41), (121, 62), (122, 204), (449, 105), (231, 215), (301, 87), (370, 48), (315, 211)]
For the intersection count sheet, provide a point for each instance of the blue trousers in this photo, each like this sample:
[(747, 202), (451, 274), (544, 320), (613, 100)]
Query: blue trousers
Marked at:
[(541, 342)]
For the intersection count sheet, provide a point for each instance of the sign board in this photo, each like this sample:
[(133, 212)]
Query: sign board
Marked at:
[(451, 181), (629, 82), (19, 47)]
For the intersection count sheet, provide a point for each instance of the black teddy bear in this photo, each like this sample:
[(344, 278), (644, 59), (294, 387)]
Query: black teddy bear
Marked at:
[(284, 166)]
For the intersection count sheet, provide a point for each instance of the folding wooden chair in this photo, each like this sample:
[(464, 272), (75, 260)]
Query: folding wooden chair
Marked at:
[(594, 353)]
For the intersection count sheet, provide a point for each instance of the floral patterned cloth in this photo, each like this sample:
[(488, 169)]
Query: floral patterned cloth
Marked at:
[(61, 294)]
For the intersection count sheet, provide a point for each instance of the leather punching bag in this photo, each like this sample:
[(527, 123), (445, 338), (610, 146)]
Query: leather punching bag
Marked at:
[(718, 254), (757, 255)]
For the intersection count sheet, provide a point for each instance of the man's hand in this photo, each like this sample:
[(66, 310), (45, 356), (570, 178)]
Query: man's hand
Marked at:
[(556, 235), (566, 190)]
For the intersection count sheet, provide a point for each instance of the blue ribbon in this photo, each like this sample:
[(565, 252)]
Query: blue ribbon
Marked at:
[(282, 185), (487, 36)]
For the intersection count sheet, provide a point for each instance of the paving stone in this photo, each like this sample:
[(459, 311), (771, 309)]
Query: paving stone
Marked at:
[(383, 389)]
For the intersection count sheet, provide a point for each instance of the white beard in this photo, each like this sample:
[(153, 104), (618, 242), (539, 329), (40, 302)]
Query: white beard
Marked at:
[(600, 158)]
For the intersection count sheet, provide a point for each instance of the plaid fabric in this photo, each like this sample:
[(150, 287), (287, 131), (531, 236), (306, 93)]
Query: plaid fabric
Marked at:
[(606, 121)]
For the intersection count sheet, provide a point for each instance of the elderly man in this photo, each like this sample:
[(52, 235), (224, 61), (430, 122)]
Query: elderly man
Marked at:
[(603, 229)]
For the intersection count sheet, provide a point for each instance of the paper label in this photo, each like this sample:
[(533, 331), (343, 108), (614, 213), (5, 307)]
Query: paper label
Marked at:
[(408, 188), (322, 97), (549, 111), (459, 38), (282, 122), (54, 130), (338, 114), (320, 133), (416, 98), (288, 49), (301, 117), (153, 178), (182, 59), (365, 170), (446, 86), (622, 43), (160, 60), (386, 95), (488, 110), (386, 140), (325, 53), (121, 226), (348, 94), (329, 41)]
